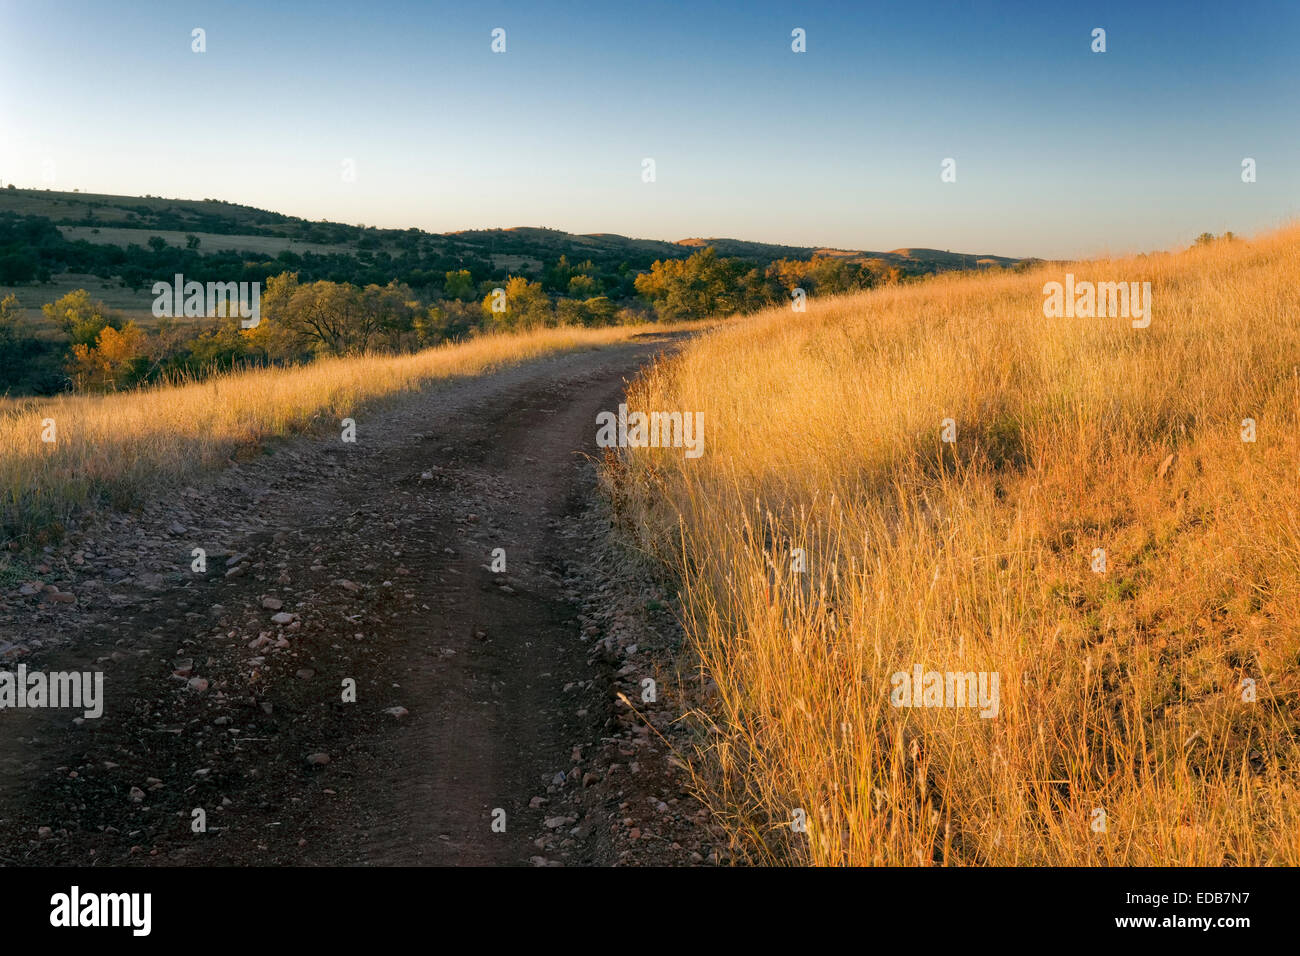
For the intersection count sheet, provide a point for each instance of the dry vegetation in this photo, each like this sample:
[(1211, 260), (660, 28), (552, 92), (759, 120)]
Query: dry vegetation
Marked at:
[(113, 448), (1120, 691)]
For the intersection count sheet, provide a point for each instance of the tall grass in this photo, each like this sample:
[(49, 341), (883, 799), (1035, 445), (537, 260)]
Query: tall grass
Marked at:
[(1121, 692), (112, 448)]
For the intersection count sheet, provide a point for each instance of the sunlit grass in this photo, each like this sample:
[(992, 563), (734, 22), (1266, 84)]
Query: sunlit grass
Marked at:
[(1121, 692)]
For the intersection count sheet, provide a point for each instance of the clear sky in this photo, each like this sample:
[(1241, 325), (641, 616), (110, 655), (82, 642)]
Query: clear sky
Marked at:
[(1060, 151)]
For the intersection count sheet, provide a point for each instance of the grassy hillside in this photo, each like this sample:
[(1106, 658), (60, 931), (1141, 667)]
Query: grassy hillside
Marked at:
[(1128, 731)]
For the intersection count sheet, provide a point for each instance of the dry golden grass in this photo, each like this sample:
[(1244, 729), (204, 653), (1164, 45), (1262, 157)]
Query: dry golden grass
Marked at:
[(1120, 691), (112, 448)]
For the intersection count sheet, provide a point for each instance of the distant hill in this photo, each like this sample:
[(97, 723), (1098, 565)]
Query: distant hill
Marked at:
[(219, 225), (911, 260)]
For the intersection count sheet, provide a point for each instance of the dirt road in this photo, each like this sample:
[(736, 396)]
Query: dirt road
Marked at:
[(353, 679)]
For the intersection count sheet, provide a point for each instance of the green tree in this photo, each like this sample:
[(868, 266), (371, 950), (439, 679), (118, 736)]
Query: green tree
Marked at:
[(459, 285), (583, 286), (526, 306), (13, 340), (80, 317), (704, 284)]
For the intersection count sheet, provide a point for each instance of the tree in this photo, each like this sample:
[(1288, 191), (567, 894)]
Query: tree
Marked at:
[(459, 285), (583, 286), (114, 361), (598, 310), (527, 306), (703, 285), (446, 321), (11, 317), (13, 339), (387, 312), (337, 317), (80, 317), (17, 266)]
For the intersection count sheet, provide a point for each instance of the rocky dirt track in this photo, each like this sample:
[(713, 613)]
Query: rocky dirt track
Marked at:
[(476, 691)]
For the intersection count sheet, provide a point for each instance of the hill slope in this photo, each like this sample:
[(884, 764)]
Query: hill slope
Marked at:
[(1113, 536)]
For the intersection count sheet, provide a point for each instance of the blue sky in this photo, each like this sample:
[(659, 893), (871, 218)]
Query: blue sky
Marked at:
[(1060, 151)]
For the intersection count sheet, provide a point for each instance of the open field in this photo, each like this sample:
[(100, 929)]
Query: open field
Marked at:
[(136, 305), (113, 447), (269, 246), (1149, 712)]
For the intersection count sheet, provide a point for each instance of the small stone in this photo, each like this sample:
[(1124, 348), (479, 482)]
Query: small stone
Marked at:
[(272, 604), (398, 712), (197, 684), (284, 617), (305, 673), (137, 795), (177, 528), (318, 759)]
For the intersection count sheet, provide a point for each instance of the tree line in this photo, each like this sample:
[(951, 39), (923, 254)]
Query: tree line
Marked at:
[(95, 348)]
